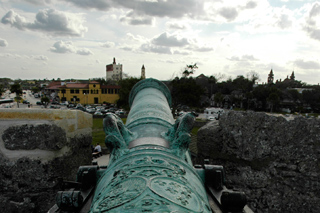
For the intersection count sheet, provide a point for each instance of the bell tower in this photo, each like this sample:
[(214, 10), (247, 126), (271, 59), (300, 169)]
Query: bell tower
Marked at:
[(143, 72)]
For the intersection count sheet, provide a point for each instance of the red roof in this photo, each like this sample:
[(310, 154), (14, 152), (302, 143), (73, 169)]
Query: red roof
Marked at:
[(110, 67), (77, 86)]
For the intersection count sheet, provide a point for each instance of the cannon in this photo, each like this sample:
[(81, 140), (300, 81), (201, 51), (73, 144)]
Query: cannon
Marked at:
[(150, 167)]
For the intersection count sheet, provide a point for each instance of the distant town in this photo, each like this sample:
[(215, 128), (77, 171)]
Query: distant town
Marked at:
[(188, 92)]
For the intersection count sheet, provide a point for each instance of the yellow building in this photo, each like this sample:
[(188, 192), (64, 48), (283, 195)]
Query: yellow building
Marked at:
[(88, 93)]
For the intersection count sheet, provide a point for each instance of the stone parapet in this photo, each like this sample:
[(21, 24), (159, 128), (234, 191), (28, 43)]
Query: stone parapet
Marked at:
[(274, 159), (37, 146)]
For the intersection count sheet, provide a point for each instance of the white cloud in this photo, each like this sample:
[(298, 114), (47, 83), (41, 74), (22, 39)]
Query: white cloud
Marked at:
[(108, 44), (40, 58), (63, 47), (69, 47), (53, 22), (84, 51), (243, 58), (3, 43)]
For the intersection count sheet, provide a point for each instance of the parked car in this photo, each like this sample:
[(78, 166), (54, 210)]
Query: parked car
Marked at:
[(91, 110), (98, 113), (120, 112), (25, 102), (39, 103)]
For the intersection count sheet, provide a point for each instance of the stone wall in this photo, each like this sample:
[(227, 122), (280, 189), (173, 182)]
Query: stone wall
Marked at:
[(273, 159), (37, 146)]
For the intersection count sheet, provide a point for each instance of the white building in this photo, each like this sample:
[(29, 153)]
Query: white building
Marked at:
[(114, 71)]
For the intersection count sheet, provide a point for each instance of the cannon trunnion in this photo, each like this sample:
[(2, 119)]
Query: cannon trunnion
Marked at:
[(150, 168)]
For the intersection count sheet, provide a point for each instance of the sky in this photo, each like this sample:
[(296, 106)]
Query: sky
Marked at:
[(77, 38)]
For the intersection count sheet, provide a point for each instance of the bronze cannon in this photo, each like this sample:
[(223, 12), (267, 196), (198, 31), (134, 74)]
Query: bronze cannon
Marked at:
[(150, 168)]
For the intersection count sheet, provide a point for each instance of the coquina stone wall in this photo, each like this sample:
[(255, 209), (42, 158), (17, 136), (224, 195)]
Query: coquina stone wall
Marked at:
[(273, 159), (37, 146)]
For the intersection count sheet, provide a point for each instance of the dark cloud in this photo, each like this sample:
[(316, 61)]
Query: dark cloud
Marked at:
[(251, 5), (159, 8), (39, 2), (133, 19), (306, 64), (170, 40), (176, 26), (163, 8), (284, 21), (311, 25), (91, 4), (155, 49), (228, 13), (53, 22), (3, 43)]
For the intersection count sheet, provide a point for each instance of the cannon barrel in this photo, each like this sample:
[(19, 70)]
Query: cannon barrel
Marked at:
[(150, 168)]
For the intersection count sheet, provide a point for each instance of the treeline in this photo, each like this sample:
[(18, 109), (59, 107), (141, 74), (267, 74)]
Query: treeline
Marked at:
[(241, 92)]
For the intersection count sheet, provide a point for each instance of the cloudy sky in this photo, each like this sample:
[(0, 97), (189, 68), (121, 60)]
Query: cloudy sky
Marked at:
[(78, 38)]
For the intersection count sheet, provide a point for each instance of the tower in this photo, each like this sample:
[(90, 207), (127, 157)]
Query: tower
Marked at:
[(292, 77), (143, 72), (270, 77), (114, 71)]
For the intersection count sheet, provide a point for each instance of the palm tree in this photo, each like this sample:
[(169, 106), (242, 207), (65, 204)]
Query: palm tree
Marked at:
[(16, 88)]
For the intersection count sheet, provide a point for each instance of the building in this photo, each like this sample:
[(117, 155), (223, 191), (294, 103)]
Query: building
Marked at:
[(86, 93), (143, 72), (114, 71)]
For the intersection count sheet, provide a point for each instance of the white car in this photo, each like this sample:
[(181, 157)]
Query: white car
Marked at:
[(120, 112), (98, 113)]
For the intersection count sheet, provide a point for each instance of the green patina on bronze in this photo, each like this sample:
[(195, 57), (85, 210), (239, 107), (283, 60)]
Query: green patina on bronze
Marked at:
[(150, 168)]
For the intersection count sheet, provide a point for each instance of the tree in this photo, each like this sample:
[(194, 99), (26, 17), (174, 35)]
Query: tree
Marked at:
[(186, 91), (274, 100), (45, 100), (124, 92), (102, 81), (35, 89), (16, 88), (218, 99), (1, 90), (189, 69)]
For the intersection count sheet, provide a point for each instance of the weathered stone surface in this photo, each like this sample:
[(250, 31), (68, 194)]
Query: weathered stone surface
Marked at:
[(274, 160), (44, 136), (42, 150)]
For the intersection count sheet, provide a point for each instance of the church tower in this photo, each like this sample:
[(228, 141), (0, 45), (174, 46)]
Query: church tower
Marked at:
[(143, 72), (292, 77), (270, 77)]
